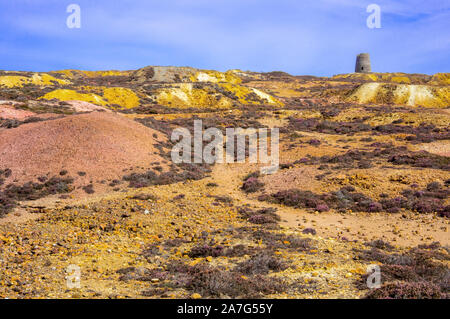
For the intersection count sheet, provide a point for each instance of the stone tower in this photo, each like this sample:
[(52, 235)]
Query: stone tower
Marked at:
[(363, 63)]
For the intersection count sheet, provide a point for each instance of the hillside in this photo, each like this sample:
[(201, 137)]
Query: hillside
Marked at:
[(86, 179)]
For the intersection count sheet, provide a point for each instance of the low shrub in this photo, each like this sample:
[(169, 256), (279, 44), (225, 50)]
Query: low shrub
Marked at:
[(33, 191), (261, 216), (89, 189), (310, 231), (212, 185), (314, 142), (4, 174), (6, 204), (12, 193), (262, 263), (274, 241), (182, 173), (224, 199), (141, 180), (424, 133), (380, 244), (421, 159), (322, 208), (143, 196), (213, 282), (252, 185), (216, 282), (261, 219), (328, 127), (255, 174), (412, 274), (406, 290), (238, 251), (430, 200), (205, 251)]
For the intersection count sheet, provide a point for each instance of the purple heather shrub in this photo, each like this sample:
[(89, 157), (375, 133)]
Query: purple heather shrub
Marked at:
[(286, 165), (252, 185), (205, 251), (314, 142), (375, 207), (216, 282), (303, 160), (434, 186), (264, 197), (433, 245), (430, 200), (427, 205), (260, 219), (255, 174), (445, 212), (393, 210), (380, 244), (419, 193), (348, 188), (261, 263), (89, 189), (311, 231), (406, 290), (6, 204), (322, 208), (5, 172)]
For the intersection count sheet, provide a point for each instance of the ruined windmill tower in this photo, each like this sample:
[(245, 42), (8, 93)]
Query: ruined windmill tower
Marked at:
[(363, 63)]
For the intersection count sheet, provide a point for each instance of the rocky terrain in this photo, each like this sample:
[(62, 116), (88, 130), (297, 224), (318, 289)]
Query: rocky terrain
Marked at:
[(86, 180)]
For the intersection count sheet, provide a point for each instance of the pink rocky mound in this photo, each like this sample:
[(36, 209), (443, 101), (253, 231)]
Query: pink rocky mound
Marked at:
[(100, 144), (10, 113)]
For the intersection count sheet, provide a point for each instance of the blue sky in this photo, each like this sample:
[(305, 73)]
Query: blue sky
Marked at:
[(317, 37)]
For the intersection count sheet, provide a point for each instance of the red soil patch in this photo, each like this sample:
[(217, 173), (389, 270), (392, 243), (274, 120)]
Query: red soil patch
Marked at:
[(9, 112), (100, 144)]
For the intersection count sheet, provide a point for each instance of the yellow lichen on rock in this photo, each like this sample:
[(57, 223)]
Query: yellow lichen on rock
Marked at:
[(72, 95), (105, 73), (357, 76), (124, 97), (366, 93), (396, 77), (400, 79), (246, 95), (441, 79), (80, 73), (46, 79), (216, 77), (267, 97), (422, 95), (13, 80), (184, 95), (401, 94), (41, 79), (443, 95)]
